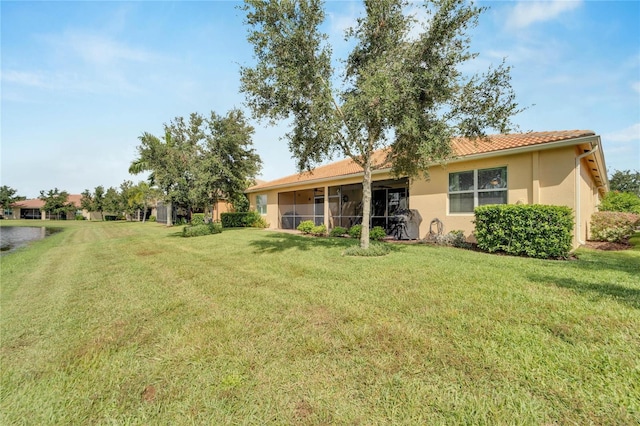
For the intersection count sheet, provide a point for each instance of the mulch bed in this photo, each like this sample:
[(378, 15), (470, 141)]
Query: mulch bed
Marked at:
[(606, 246)]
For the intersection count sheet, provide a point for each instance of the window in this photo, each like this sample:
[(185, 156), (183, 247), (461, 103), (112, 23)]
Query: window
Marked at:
[(473, 188), (261, 204)]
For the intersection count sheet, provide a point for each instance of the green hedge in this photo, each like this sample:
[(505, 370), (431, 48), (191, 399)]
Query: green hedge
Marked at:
[(242, 220), (525, 230)]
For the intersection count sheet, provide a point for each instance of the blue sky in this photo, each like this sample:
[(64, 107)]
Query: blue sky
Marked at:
[(82, 80)]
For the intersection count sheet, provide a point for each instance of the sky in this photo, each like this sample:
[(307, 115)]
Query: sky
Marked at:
[(81, 81)]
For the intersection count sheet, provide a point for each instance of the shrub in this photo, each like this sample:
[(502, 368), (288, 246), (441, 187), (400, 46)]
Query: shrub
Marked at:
[(338, 231), (79, 217), (377, 233), (152, 218), (203, 229), (241, 219), (615, 201), (319, 231), (375, 249), (355, 231), (614, 227), (525, 230), (260, 222), (306, 226), (197, 219)]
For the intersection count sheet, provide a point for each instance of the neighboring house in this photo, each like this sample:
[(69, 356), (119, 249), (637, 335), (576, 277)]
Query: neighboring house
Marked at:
[(557, 168), (32, 209)]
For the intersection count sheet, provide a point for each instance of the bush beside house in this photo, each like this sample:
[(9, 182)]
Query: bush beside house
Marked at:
[(538, 231), (613, 227)]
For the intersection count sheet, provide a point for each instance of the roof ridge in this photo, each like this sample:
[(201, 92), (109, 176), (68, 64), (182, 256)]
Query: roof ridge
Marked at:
[(462, 147)]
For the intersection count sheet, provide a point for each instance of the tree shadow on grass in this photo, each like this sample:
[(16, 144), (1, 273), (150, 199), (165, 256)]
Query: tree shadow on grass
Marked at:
[(621, 261), (627, 295), (279, 242)]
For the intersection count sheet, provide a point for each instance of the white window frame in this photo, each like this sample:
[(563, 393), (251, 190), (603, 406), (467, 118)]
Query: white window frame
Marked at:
[(261, 204), (475, 191)]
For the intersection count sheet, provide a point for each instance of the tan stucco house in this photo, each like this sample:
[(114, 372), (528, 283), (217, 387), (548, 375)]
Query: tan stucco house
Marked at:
[(557, 168), (32, 208)]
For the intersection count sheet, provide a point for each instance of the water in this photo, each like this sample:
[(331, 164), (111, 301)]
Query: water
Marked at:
[(14, 237)]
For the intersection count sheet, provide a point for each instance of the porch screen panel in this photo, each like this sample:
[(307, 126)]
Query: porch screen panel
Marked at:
[(286, 208), (304, 207)]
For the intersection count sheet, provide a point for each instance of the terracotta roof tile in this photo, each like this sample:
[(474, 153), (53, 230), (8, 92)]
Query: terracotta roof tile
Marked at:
[(37, 203), (462, 147)]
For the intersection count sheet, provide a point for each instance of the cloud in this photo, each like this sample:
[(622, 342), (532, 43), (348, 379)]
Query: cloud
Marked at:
[(98, 49), (89, 62), (526, 13), (24, 78), (631, 133), (636, 86)]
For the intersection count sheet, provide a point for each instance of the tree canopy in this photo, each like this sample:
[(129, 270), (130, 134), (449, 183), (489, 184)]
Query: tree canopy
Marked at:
[(8, 197), (201, 160), (56, 202), (625, 181), (400, 89)]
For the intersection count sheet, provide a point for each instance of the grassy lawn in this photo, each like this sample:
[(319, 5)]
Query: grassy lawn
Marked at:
[(127, 323)]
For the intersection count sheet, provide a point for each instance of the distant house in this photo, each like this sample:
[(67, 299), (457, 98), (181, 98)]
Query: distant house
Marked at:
[(558, 168), (32, 209)]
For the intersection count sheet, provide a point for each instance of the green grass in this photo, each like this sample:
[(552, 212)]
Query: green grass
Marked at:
[(128, 323)]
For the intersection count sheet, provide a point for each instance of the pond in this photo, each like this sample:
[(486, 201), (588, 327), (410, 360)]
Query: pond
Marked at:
[(14, 237)]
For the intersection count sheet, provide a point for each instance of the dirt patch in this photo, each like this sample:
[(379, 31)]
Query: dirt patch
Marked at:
[(606, 246), (303, 410), (144, 253), (149, 393)]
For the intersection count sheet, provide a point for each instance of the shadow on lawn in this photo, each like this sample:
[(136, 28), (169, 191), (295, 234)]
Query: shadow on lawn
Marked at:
[(278, 242), (626, 295)]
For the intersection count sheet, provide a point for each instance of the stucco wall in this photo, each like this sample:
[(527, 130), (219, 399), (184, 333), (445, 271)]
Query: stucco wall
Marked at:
[(431, 197), (540, 177)]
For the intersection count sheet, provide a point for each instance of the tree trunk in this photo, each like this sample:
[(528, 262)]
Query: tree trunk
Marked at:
[(366, 204), (144, 214), (169, 214)]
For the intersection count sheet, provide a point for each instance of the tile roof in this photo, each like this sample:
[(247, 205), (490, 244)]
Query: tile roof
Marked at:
[(37, 203), (462, 147)]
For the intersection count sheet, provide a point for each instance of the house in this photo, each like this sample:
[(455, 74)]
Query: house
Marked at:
[(557, 168), (32, 209)]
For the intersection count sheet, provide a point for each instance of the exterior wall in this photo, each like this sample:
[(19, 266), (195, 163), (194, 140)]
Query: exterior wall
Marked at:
[(537, 177), (588, 201), (431, 197), (557, 179)]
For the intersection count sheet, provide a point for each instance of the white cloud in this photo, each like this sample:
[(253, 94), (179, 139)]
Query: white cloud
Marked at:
[(636, 86), (526, 13), (631, 133), (97, 49), (24, 78)]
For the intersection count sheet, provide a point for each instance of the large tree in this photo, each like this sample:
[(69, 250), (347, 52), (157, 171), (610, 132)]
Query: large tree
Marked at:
[(93, 202), (399, 88), (56, 203), (8, 197), (113, 201), (226, 160), (199, 160)]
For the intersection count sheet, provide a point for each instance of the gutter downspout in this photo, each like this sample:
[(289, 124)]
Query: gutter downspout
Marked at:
[(578, 172)]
